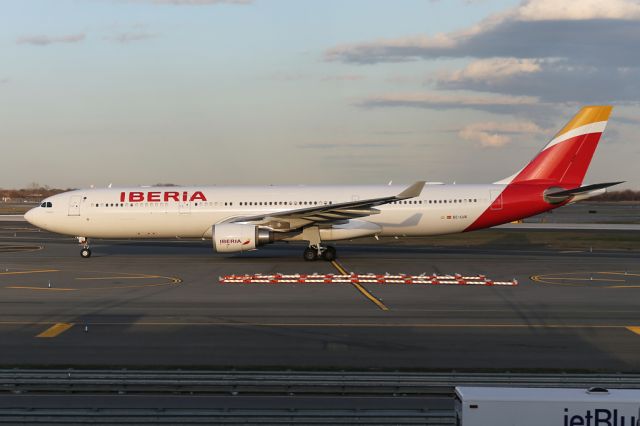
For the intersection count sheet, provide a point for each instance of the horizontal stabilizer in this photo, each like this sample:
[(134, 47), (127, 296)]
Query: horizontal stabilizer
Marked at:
[(559, 196), (581, 190)]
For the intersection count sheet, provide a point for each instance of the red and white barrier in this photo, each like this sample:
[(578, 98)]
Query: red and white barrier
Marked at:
[(433, 279)]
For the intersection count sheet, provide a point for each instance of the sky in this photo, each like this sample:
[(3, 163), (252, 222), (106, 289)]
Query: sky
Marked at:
[(215, 92)]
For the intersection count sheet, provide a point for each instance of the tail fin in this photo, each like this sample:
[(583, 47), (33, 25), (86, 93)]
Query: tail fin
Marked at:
[(564, 161)]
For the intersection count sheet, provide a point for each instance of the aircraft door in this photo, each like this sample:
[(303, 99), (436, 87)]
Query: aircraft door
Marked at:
[(74, 205), (496, 196)]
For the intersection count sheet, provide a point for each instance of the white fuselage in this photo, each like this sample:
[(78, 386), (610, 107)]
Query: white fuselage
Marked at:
[(107, 213)]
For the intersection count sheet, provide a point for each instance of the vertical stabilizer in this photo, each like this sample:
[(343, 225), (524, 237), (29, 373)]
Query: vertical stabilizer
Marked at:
[(565, 160)]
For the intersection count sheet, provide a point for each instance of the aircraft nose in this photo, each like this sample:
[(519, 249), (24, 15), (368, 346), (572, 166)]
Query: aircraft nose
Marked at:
[(31, 216)]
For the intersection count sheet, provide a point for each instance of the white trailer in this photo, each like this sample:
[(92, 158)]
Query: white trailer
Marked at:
[(486, 406)]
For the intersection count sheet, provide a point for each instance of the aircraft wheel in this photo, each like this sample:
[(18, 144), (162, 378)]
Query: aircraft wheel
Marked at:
[(310, 254), (85, 253), (329, 254)]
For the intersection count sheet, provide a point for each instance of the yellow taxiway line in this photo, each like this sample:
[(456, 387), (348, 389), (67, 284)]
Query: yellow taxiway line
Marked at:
[(569, 279), (22, 287), (360, 288), (55, 330), (634, 330), (37, 271), (151, 323)]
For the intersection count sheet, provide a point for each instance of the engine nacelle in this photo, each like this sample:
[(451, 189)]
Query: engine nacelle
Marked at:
[(233, 237)]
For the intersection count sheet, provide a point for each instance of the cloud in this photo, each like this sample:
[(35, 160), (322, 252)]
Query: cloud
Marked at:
[(585, 30), (43, 40), (497, 134), (556, 50), (543, 10), (449, 100), (200, 2), (493, 69), (551, 81), (346, 145), (129, 37), (344, 77), (288, 76)]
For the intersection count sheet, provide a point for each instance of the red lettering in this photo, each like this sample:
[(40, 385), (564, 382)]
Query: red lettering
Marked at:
[(156, 196), (171, 195), (198, 196), (136, 197)]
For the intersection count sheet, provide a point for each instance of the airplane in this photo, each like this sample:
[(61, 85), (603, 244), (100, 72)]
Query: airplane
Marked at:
[(243, 218)]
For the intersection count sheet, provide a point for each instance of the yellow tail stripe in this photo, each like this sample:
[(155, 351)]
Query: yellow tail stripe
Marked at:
[(587, 115)]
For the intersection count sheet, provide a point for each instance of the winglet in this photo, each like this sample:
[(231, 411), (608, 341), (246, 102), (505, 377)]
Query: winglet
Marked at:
[(412, 191)]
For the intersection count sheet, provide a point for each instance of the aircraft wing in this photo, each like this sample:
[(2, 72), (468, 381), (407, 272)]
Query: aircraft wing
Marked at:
[(288, 220)]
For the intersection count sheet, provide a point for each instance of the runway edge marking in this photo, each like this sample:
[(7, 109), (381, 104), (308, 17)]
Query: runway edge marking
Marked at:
[(360, 288)]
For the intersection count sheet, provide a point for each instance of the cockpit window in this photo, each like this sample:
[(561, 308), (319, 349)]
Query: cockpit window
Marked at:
[(46, 204), (43, 205), (49, 204)]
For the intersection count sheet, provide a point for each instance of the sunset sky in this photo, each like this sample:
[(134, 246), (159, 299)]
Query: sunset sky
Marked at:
[(135, 92)]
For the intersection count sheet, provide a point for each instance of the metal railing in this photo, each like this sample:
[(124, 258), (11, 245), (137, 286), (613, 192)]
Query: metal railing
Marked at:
[(287, 383)]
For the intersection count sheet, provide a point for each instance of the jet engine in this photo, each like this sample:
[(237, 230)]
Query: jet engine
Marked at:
[(234, 237)]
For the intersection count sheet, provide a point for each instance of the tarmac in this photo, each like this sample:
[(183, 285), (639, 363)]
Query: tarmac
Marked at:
[(159, 304)]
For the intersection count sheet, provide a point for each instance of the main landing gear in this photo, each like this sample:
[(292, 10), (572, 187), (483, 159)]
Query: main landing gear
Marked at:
[(327, 253), (85, 253)]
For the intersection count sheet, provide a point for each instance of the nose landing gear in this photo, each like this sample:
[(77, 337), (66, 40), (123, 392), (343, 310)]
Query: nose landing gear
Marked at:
[(85, 253)]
